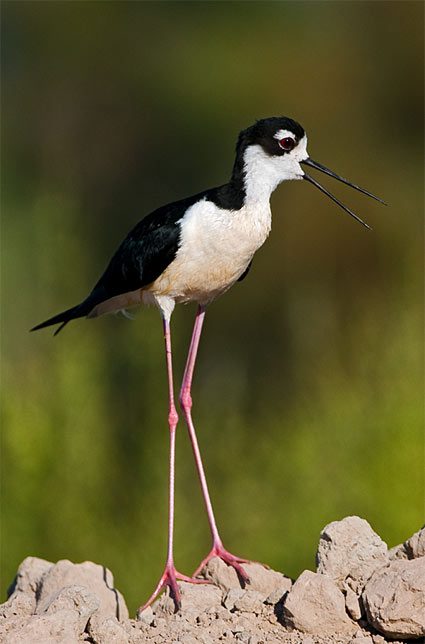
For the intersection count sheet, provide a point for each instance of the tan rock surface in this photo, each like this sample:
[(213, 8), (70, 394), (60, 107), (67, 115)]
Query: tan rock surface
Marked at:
[(262, 579), (394, 599), (67, 603), (97, 579), (410, 549), (349, 552), (316, 605)]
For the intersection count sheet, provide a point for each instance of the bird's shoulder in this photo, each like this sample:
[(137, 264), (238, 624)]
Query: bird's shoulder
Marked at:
[(147, 250), (163, 218)]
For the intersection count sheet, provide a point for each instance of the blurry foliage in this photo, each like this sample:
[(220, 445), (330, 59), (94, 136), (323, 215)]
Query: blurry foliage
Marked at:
[(308, 390)]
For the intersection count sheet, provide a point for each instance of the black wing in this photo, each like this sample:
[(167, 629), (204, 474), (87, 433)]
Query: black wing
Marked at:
[(146, 251), (140, 259)]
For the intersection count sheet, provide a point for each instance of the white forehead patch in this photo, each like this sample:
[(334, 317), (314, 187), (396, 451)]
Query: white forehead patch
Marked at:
[(299, 153), (301, 149), (281, 134)]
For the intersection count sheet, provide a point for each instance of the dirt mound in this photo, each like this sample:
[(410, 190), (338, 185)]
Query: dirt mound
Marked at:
[(361, 593)]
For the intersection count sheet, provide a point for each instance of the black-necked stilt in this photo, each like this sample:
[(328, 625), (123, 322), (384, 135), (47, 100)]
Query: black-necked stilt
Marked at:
[(194, 250)]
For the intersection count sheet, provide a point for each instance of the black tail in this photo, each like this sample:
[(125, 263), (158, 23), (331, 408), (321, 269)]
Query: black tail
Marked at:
[(79, 311)]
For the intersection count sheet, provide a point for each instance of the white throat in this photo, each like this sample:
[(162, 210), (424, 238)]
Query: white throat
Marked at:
[(263, 173)]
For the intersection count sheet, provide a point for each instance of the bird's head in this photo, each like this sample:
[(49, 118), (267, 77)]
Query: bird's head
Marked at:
[(275, 146), (275, 150)]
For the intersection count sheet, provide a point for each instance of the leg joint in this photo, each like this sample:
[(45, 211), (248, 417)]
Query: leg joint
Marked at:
[(173, 418), (185, 399)]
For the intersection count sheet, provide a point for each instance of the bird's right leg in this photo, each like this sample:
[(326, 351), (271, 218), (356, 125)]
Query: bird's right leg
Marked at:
[(217, 550), (170, 575)]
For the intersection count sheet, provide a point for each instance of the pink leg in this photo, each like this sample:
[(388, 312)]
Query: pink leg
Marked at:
[(170, 574), (218, 549)]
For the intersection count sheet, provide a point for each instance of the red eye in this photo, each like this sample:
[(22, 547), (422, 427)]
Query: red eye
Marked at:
[(287, 143)]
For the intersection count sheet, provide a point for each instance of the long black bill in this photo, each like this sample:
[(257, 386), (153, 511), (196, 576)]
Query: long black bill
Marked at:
[(337, 201), (322, 168)]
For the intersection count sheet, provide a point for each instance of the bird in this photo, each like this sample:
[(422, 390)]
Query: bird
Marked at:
[(194, 250)]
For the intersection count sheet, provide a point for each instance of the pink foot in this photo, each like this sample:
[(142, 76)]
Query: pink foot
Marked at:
[(169, 578), (219, 551)]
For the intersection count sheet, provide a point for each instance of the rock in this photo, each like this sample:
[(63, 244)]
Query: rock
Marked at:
[(410, 549), (21, 604), (76, 603), (105, 631), (29, 577), (315, 605), (18, 605), (232, 596), (63, 597), (97, 579), (253, 639), (398, 552), (146, 616), (202, 598), (250, 601), (394, 599), (262, 579), (378, 639), (57, 628), (349, 552), (204, 638), (10, 626), (61, 618), (240, 624), (415, 546), (71, 598), (195, 600), (352, 604), (276, 596), (361, 638)]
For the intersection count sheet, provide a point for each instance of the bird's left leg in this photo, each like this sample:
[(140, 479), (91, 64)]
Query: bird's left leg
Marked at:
[(218, 549), (170, 575)]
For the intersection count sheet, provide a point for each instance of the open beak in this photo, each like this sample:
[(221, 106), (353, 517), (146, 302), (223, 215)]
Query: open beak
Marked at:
[(322, 168)]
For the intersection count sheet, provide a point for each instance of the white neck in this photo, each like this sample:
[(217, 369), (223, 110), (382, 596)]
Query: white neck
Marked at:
[(262, 175), (263, 172)]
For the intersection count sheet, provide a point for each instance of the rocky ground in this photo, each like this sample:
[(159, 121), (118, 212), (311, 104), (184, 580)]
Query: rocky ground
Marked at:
[(361, 593)]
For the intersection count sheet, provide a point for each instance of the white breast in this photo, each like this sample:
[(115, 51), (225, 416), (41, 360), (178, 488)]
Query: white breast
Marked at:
[(215, 249)]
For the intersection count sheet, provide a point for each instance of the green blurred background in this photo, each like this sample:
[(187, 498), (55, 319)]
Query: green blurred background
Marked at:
[(308, 390)]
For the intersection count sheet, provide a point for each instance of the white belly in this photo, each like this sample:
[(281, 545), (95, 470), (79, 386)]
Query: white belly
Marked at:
[(216, 248)]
